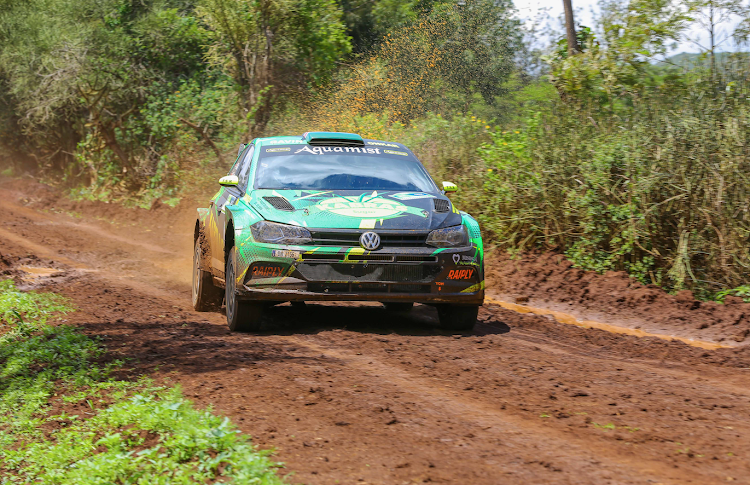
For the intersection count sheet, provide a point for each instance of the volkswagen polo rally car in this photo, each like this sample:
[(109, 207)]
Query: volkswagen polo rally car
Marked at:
[(332, 216)]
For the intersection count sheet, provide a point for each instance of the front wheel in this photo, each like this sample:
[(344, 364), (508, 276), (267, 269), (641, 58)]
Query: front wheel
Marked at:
[(242, 316), (456, 317), (206, 296)]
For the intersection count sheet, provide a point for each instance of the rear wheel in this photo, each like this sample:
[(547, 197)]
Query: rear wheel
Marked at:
[(206, 296), (242, 316), (398, 306), (456, 317)]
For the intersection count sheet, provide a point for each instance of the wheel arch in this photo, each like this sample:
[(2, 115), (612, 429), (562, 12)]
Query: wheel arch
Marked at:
[(228, 238)]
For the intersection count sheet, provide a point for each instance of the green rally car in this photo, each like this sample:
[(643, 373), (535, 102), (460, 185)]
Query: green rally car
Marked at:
[(332, 216)]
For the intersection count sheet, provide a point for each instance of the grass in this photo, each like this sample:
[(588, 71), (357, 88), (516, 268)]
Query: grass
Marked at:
[(64, 419)]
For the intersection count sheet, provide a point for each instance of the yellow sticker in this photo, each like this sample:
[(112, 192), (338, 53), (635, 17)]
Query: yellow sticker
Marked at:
[(394, 152)]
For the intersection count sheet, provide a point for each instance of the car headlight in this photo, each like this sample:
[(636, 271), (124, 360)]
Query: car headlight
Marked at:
[(270, 232), (450, 237)]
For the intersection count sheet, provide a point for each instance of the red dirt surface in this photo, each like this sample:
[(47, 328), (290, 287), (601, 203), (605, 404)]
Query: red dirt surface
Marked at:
[(550, 279), (351, 394)]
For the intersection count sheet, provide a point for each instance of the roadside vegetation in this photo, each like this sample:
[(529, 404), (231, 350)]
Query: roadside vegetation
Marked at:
[(613, 153), (65, 418)]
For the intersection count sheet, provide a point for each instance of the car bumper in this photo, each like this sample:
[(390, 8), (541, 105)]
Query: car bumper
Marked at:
[(422, 275)]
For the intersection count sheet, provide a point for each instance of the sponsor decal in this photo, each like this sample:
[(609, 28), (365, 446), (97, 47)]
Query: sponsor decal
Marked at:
[(394, 152), (373, 207), (464, 260), (383, 144), (280, 149), (412, 196), (283, 253), (324, 150), (267, 271), (284, 142), (461, 274)]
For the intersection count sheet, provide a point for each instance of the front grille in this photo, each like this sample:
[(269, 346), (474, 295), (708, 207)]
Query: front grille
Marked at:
[(386, 258), (280, 203), (386, 273), (416, 259), (367, 288), (441, 205), (351, 239)]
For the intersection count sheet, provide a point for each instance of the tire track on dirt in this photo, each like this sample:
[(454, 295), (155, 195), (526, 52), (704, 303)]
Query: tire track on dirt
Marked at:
[(527, 440), (354, 394)]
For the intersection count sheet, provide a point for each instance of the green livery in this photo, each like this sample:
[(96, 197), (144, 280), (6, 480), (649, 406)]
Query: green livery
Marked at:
[(332, 216)]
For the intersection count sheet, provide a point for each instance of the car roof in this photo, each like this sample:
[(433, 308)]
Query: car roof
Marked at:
[(297, 140)]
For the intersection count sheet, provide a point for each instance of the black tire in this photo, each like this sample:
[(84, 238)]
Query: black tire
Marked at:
[(242, 316), (206, 296), (398, 306), (456, 317)]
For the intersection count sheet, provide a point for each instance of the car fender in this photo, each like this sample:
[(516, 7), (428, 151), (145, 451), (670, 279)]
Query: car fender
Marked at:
[(475, 237), (241, 217)]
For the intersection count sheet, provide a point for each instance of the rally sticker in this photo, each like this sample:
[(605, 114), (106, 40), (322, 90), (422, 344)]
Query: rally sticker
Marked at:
[(284, 142), (411, 196), (372, 208), (460, 274), (325, 150), (268, 271), (394, 152), (382, 144), (271, 150), (283, 253)]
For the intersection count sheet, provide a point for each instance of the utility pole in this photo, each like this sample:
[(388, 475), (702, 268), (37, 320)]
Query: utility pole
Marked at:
[(570, 28)]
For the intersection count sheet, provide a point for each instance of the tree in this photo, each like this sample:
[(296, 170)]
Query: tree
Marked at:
[(80, 72), (613, 67), (570, 28), (712, 15), (273, 47)]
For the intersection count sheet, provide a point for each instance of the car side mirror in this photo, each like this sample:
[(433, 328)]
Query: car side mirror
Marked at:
[(229, 181), (449, 187)]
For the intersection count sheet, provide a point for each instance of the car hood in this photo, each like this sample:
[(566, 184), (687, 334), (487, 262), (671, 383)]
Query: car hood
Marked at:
[(353, 209)]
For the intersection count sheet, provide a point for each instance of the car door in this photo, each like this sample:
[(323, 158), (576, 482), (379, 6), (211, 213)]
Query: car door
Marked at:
[(227, 196)]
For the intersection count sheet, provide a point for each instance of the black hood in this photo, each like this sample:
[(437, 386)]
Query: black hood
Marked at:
[(355, 209)]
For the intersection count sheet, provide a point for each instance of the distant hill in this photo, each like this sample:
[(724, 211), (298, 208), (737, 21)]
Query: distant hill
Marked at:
[(695, 59)]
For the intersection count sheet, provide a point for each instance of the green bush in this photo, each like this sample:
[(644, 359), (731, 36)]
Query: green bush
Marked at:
[(660, 191), (130, 432)]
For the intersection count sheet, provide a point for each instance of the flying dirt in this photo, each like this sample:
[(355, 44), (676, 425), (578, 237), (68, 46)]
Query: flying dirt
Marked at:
[(347, 393)]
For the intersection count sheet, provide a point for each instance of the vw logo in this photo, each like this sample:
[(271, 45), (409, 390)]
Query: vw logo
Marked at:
[(369, 241)]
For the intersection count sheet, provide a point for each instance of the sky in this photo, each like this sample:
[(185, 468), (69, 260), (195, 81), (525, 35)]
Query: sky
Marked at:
[(527, 9)]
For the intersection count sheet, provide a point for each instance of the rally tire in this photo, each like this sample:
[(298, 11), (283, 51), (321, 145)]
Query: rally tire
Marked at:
[(398, 306), (242, 316), (206, 296), (457, 317)]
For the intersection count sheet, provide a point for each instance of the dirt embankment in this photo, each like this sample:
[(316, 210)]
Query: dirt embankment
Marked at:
[(352, 394), (551, 280)]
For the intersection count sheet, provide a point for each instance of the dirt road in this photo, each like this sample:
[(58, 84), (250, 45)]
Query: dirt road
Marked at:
[(350, 394)]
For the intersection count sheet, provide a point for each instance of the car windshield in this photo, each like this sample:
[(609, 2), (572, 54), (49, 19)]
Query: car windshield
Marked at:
[(373, 170)]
